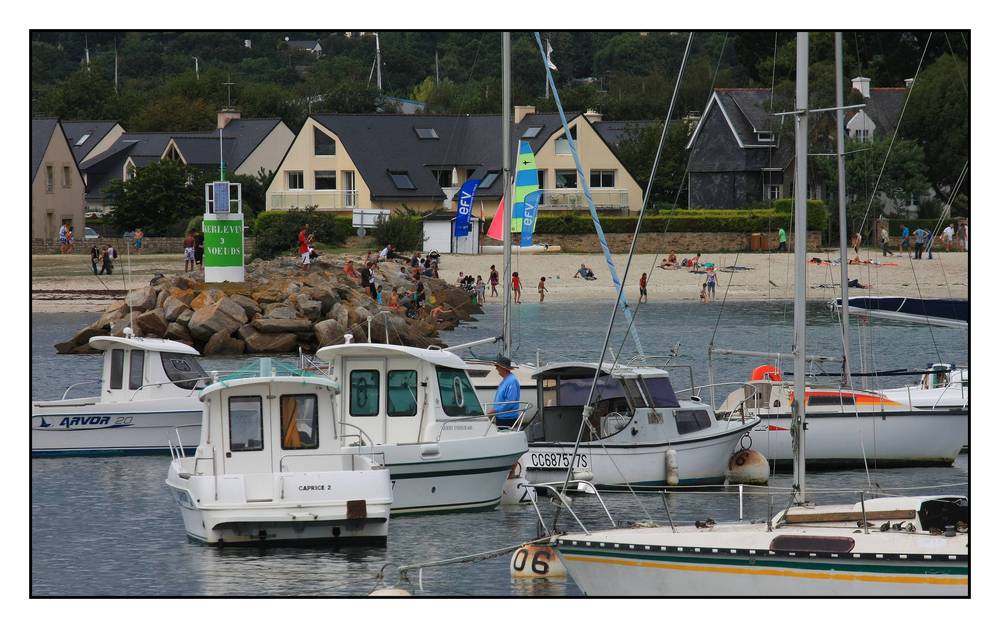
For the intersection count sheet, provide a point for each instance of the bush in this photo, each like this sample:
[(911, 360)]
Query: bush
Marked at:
[(404, 231), (277, 232), (817, 216)]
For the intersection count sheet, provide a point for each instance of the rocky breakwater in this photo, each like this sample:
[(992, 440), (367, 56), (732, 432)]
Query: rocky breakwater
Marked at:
[(278, 309)]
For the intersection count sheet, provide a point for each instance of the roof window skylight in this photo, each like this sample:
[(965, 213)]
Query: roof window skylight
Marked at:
[(531, 132), (426, 133), (83, 138), (401, 179)]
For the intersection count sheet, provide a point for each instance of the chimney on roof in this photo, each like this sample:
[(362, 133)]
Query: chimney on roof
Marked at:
[(225, 116), (593, 116), (908, 83), (520, 111), (863, 85)]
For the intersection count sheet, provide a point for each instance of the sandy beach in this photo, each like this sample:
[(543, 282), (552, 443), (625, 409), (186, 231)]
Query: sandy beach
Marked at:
[(66, 283)]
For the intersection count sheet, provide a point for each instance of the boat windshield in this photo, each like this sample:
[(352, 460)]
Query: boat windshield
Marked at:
[(661, 392), (184, 370), (458, 397)]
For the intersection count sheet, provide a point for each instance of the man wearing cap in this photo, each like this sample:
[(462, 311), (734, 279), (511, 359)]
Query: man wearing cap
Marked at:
[(505, 403)]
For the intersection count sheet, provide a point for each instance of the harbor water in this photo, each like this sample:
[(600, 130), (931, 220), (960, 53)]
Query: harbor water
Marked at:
[(108, 526)]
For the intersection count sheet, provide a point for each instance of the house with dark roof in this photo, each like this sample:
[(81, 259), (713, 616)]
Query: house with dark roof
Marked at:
[(247, 146), (56, 183), (91, 137), (311, 46), (339, 162), (738, 156)]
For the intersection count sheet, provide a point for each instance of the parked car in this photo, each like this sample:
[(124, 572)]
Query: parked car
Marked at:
[(90, 234)]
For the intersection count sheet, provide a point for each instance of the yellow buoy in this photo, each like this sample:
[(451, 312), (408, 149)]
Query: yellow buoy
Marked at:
[(748, 466), (536, 561)]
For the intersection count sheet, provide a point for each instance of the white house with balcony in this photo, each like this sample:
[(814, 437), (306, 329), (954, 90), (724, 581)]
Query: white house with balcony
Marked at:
[(340, 162)]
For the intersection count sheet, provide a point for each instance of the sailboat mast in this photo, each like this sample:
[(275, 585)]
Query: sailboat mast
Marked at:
[(508, 205), (842, 203), (801, 181)]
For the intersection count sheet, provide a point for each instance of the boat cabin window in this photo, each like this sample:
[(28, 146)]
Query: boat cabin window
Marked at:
[(117, 366), (402, 393), (136, 361), (246, 424), (639, 398), (661, 393), (458, 397), (799, 543), (299, 422), (829, 400), (364, 392), (691, 421), (183, 370)]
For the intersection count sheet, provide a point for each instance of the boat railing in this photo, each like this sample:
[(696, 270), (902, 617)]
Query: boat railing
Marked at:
[(554, 489), (489, 417), (361, 433), (72, 386)]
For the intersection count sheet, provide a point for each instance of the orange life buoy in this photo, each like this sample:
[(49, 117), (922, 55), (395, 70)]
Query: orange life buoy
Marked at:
[(766, 371)]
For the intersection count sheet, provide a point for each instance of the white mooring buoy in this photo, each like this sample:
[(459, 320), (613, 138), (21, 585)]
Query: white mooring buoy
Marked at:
[(390, 592), (673, 475), (536, 561), (748, 466)]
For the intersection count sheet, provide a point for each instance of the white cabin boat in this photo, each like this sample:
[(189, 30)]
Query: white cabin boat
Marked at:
[(420, 409), (270, 468), (637, 419), (810, 551), (945, 386), (846, 427), (149, 395)]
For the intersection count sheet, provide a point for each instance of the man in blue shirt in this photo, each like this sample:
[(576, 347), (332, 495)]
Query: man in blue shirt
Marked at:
[(506, 402), (904, 241), (921, 239)]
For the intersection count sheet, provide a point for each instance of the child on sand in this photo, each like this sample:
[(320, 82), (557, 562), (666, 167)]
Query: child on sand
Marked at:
[(480, 290), (541, 290), (515, 286), (643, 295), (704, 293)]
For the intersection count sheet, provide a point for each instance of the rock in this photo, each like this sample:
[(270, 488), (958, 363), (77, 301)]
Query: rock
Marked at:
[(279, 310), (153, 323), (207, 297), (258, 342), (181, 282), (268, 295), (183, 294), (328, 332), (246, 331), (141, 299), (339, 313), (325, 296), (176, 331), (173, 308), (161, 296), (282, 325), (211, 319), (309, 308), (233, 309), (355, 315), (184, 318), (249, 305), (221, 343), (114, 312), (82, 337), (118, 328)]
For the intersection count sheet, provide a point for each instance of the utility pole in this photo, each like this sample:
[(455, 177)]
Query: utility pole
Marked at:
[(197, 72), (437, 69), (229, 94), (378, 64)]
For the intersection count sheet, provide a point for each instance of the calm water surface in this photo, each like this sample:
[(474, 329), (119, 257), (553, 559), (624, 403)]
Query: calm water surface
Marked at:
[(107, 526)]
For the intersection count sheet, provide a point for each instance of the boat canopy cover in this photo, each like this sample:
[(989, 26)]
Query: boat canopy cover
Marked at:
[(956, 310), (291, 382), (372, 350), (103, 343)]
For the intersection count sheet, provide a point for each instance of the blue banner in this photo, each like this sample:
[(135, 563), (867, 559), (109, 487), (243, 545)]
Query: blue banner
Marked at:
[(530, 215), (464, 215)]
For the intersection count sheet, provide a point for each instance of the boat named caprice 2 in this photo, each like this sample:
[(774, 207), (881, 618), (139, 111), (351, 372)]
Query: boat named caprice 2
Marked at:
[(149, 394), (636, 422), (270, 467), (419, 408)]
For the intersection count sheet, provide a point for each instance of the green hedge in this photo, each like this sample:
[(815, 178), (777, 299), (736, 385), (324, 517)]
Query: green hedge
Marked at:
[(685, 220), (277, 231)]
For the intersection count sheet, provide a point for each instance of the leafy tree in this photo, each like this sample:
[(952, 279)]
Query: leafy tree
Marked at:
[(160, 198), (404, 230), (638, 149)]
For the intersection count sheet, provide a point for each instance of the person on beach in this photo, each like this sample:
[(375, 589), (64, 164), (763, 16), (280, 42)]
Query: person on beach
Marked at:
[(710, 280), (919, 240), (494, 280), (963, 237), (188, 252), (378, 295), (199, 247), (904, 241), (584, 272), (403, 274), (782, 240), (884, 236), (304, 237), (137, 237), (480, 290), (368, 279), (669, 262), (856, 244), (515, 286), (95, 255), (541, 290), (107, 261), (949, 234), (704, 293), (349, 269), (508, 395), (419, 296), (695, 263), (69, 239), (394, 299), (63, 238), (643, 295)]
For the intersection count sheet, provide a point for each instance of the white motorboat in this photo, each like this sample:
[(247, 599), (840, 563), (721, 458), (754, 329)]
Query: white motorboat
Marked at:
[(149, 394), (847, 427), (270, 468), (420, 409), (921, 547), (637, 421), (943, 386)]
